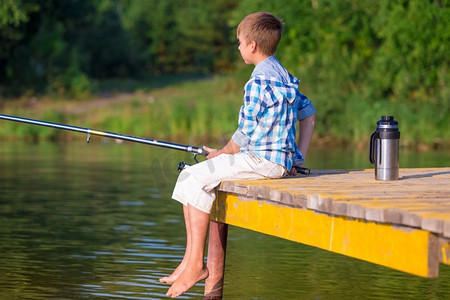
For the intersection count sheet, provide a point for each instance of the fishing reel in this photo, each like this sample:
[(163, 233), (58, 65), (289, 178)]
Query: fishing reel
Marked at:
[(182, 165)]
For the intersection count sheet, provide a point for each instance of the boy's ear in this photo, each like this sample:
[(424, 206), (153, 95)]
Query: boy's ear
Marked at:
[(253, 46)]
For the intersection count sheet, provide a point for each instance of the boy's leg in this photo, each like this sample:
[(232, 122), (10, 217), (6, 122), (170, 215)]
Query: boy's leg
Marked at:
[(195, 184), (195, 188), (195, 269), (176, 273)]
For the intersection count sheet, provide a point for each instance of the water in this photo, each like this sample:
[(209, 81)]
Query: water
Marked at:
[(96, 222)]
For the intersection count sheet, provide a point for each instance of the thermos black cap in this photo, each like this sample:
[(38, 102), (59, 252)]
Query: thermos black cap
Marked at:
[(387, 120)]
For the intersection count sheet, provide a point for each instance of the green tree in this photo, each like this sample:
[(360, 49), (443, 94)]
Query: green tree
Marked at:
[(14, 12), (43, 54), (109, 48), (411, 62), (182, 36)]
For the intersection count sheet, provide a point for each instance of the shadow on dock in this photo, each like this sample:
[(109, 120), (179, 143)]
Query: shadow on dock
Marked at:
[(424, 175), (317, 173)]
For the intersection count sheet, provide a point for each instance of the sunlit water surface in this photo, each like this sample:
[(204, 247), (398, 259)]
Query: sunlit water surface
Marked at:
[(96, 222)]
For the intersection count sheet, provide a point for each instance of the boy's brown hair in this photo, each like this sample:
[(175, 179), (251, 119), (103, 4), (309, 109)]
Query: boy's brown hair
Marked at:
[(263, 28)]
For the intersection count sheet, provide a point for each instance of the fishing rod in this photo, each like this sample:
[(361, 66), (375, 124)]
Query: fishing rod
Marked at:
[(188, 148)]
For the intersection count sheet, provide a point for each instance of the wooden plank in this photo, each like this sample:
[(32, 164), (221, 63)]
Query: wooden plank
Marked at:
[(217, 245), (404, 212), (406, 249), (444, 251), (355, 194)]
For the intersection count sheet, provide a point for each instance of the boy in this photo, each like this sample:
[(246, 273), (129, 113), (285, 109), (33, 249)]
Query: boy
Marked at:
[(263, 146)]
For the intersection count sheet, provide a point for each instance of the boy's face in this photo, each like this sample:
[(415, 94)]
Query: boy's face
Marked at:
[(246, 49)]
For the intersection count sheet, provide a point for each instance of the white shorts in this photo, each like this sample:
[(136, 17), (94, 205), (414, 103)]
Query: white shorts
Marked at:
[(196, 183)]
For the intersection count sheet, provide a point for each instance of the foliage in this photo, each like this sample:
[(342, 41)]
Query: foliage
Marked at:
[(14, 12), (357, 60), (182, 36)]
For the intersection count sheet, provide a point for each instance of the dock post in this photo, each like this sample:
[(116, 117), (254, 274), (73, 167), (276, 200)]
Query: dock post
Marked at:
[(217, 247)]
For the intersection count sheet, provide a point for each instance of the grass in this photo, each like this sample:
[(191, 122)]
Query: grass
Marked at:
[(192, 110), (200, 110)]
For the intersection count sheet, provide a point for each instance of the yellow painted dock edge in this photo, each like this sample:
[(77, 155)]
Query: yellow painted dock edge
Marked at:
[(413, 251)]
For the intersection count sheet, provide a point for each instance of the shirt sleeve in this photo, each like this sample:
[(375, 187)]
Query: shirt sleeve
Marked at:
[(250, 113), (305, 107)]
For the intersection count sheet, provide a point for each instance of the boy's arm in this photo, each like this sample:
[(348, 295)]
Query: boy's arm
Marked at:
[(230, 148), (305, 133), (304, 137)]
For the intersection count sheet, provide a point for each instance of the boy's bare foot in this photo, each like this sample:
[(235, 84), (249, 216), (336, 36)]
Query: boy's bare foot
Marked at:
[(187, 279), (175, 274)]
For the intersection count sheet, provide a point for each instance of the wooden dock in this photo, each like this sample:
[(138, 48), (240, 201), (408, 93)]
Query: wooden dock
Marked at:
[(402, 224)]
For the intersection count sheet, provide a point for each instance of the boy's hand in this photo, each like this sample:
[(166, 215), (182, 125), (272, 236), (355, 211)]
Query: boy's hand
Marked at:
[(230, 148), (292, 172), (212, 152)]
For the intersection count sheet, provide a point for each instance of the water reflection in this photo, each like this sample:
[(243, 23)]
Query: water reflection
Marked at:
[(97, 222), (86, 222)]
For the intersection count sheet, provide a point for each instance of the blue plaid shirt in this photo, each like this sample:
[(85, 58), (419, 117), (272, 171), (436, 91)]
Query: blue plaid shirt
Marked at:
[(267, 120)]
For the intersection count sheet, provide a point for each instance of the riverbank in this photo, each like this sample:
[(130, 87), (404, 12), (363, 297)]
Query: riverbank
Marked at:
[(204, 110)]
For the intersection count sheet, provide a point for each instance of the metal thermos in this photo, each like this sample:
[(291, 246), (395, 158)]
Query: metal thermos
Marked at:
[(384, 149)]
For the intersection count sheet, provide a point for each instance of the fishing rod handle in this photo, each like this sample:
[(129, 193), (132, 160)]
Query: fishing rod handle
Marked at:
[(202, 151), (304, 171)]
